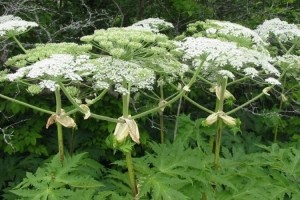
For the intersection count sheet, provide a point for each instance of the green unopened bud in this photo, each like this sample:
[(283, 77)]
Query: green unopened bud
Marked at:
[(34, 89), (73, 91), (117, 52), (87, 38)]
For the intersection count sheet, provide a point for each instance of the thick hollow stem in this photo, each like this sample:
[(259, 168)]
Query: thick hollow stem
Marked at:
[(280, 108), (177, 118), (218, 143), (59, 126), (161, 124), (129, 163), (130, 168), (161, 116), (219, 107)]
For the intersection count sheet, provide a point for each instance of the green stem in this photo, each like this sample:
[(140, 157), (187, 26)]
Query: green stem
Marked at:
[(161, 116), (161, 123), (19, 44), (177, 118), (27, 105), (247, 103), (280, 107), (281, 45), (238, 80), (131, 175), (59, 126), (99, 97), (180, 94), (77, 107), (198, 105), (292, 47), (218, 143), (129, 162), (220, 102)]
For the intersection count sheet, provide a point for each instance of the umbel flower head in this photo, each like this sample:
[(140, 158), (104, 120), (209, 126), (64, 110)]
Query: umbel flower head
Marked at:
[(220, 55), (59, 67), (228, 31), (42, 51), (12, 26), (151, 24), (115, 72), (282, 30), (290, 64), (138, 46)]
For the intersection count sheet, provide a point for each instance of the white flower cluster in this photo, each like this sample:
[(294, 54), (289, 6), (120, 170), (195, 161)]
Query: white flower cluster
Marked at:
[(151, 24), (284, 31), (56, 68), (114, 71), (237, 30), (222, 55), (11, 25)]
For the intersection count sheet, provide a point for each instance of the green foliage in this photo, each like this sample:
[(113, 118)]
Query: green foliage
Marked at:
[(57, 181)]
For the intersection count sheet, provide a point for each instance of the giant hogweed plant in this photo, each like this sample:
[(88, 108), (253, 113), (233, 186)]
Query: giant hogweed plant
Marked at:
[(133, 59), (283, 39)]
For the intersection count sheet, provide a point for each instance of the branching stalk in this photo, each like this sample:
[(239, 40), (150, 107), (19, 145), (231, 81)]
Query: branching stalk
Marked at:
[(77, 107), (26, 104), (180, 94)]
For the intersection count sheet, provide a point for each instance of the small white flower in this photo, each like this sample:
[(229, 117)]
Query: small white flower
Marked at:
[(236, 30), (151, 24), (284, 31), (226, 74), (51, 85), (57, 67), (250, 71), (221, 55), (116, 71), (272, 81), (11, 25)]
